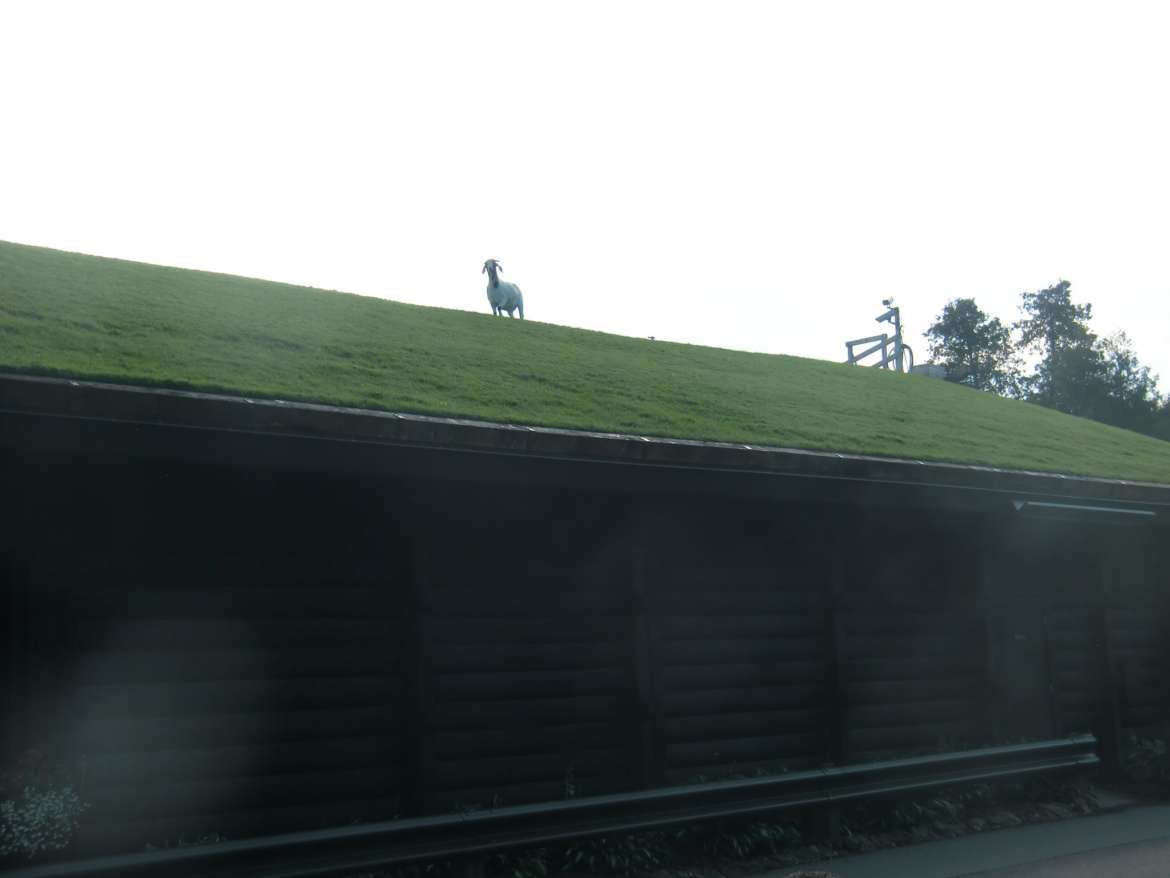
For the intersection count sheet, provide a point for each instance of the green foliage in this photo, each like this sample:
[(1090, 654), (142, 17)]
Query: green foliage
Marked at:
[(532, 863), (39, 820), (952, 811), (67, 314), (1147, 760), (426, 869), (737, 839), (866, 825), (1079, 373), (1057, 329), (1126, 392), (40, 806), (975, 349), (618, 854), (1052, 321), (906, 815), (1160, 423), (934, 812)]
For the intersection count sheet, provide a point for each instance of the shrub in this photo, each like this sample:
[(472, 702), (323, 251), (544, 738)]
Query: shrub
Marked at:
[(1146, 760), (618, 854), (738, 839), (755, 839), (530, 863), (39, 819)]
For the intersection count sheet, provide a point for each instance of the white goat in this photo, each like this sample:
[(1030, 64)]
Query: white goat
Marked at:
[(502, 295)]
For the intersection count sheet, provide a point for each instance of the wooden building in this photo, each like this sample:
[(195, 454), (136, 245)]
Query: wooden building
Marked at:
[(239, 617)]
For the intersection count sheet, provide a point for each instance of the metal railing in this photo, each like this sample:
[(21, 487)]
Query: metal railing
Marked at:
[(332, 852)]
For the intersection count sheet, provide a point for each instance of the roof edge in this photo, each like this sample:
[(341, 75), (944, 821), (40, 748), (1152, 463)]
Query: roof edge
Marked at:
[(78, 398)]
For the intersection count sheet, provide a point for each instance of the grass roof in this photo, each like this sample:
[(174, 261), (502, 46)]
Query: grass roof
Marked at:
[(108, 319)]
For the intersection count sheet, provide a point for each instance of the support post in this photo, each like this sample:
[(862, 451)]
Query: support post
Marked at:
[(987, 720), (1108, 724), (897, 338), (646, 700), (833, 717), (418, 758), (1055, 713)]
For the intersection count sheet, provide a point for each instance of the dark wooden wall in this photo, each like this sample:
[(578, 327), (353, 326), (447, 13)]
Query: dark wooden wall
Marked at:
[(1136, 581), (524, 653), (223, 652), (246, 650), (912, 639), (738, 637)]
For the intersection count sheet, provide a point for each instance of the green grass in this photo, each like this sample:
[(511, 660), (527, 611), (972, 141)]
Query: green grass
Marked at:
[(68, 314)]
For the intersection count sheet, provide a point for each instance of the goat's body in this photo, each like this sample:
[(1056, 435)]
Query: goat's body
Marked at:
[(504, 296)]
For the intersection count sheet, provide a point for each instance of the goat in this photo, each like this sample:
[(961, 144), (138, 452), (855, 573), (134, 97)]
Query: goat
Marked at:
[(502, 296)]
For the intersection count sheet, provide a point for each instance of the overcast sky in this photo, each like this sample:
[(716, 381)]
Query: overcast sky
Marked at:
[(748, 175)]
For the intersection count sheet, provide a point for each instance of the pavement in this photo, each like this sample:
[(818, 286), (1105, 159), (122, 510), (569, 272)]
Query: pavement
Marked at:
[(1130, 843)]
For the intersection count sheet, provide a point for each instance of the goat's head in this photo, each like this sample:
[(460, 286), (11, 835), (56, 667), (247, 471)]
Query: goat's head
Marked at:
[(492, 269)]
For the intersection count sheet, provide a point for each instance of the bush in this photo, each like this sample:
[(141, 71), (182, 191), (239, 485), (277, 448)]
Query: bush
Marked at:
[(1146, 760), (738, 839), (38, 820), (531, 863), (40, 805), (618, 854)]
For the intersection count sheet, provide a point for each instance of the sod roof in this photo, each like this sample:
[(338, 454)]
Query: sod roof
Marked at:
[(89, 317)]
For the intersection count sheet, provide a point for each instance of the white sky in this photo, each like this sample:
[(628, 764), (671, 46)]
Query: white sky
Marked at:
[(749, 175)]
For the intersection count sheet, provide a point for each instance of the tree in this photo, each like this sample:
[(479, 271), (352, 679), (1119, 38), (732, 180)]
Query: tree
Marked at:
[(1161, 425), (975, 349), (1053, 320), (1079, 373), (1057, 328), (1127, 393)]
